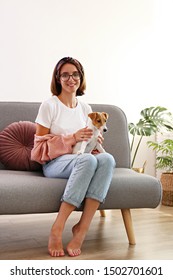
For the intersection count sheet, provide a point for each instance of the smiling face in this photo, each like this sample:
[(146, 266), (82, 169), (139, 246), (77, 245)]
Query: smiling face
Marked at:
[(69, 78)]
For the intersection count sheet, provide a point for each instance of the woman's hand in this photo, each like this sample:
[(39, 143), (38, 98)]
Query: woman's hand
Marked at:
[(83, 134)]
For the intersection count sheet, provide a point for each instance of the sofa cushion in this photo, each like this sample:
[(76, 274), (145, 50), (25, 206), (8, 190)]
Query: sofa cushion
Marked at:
[(16, 143)]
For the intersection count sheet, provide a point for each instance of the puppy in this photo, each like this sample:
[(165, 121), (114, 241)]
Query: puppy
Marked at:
[(96, 122)]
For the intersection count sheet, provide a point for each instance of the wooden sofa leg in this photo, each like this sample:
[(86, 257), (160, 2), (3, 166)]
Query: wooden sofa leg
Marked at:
[(102, 213), (128, 225)]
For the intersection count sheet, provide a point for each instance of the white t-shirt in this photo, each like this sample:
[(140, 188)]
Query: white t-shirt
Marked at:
[(61, 119)]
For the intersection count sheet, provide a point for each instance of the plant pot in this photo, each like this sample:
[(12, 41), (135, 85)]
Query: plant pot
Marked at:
[(140, 169), (167, 186)]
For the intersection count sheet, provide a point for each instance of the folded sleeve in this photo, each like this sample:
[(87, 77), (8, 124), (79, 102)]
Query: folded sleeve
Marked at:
[(49, 146)]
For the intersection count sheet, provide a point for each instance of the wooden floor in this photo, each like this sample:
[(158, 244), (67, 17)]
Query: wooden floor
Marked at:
[(25, 237)]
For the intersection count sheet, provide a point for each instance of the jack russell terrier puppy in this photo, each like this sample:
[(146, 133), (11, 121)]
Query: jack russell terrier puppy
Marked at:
[(96, 122)]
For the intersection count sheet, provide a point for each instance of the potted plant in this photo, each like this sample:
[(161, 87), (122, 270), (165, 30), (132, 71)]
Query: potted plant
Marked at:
[(164, 161), (153, 119)]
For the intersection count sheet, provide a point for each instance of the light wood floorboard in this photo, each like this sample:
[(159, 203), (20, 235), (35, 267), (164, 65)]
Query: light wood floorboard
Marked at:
[(25, 237)]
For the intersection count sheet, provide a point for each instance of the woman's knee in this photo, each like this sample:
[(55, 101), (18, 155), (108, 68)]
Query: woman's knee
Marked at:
[(106, 159), (88, 161)]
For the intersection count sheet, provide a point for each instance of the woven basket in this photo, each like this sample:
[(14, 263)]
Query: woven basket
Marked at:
[(167, 185)]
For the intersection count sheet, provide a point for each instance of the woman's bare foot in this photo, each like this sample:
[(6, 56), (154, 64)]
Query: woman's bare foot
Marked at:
[(55, 246), (74, 246)]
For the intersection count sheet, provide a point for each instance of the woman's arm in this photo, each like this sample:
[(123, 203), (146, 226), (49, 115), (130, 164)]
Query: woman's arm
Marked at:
[(49, 146), (41, 130)]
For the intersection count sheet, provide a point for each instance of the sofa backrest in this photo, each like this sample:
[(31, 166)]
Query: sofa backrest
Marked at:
[(116, 139)]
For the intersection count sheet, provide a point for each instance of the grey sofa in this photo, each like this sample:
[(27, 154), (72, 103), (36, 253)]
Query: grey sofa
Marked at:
[(23, 192)]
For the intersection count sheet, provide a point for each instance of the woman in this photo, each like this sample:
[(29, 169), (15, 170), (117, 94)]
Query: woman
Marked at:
[(61, 123)]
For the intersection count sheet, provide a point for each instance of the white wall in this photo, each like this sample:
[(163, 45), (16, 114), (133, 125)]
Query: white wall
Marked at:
[(125, 47)]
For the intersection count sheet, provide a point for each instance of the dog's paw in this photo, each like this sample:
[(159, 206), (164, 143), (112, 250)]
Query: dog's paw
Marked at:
[(102, 150), (80, 152)]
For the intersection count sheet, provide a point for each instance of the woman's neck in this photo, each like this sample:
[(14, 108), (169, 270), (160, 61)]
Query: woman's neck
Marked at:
[(69, 101)]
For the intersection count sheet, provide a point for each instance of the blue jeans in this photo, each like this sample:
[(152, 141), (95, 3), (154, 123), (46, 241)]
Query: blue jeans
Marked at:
[(89, 176)]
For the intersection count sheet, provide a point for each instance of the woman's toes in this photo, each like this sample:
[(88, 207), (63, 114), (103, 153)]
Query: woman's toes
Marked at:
[(74, 252), (56, 253), (55, 246), (61, 253)]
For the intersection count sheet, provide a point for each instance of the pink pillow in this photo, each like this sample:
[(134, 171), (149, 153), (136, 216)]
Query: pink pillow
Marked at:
[(16, 143)]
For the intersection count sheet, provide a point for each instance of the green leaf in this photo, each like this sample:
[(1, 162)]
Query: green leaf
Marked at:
[(153, 119)]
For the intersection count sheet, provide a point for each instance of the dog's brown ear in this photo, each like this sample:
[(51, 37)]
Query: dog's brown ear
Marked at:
[(106, 115), (92, 115)]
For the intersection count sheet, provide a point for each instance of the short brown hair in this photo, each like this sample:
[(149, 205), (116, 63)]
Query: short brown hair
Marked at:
[(55, 83)]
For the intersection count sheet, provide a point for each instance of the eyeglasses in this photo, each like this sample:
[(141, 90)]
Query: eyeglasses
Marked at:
[(66, 76)]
